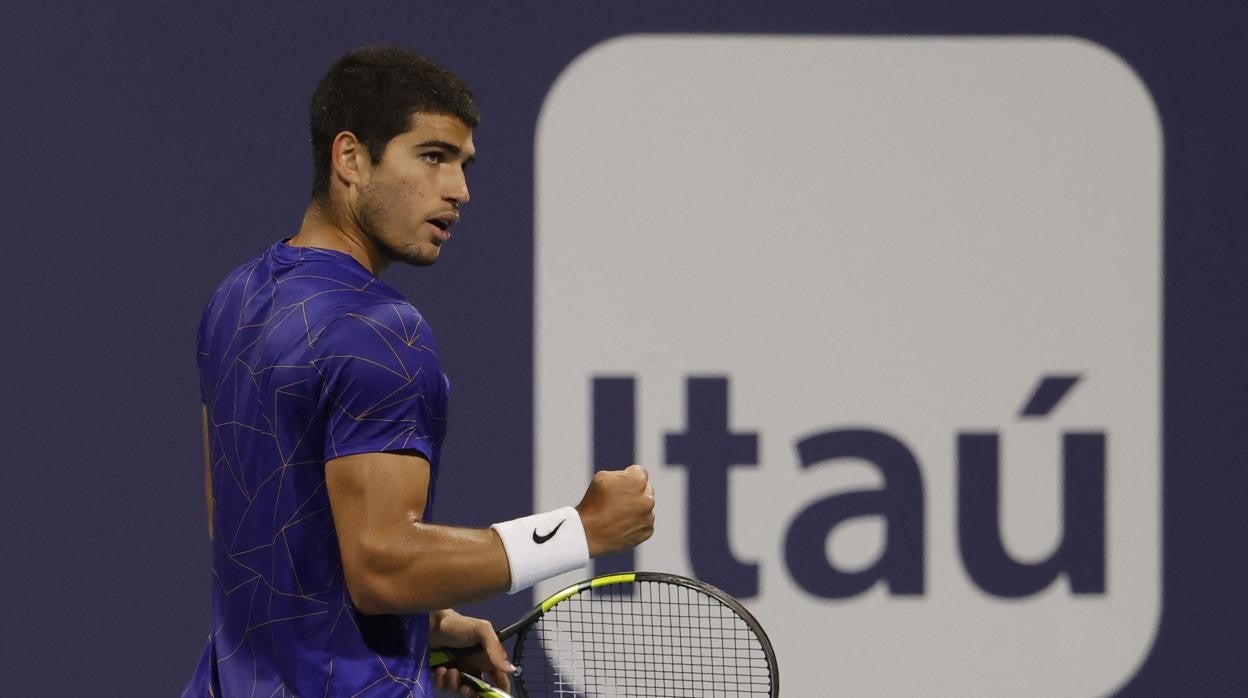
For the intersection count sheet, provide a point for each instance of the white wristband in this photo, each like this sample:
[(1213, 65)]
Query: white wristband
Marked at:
[(543, 545)]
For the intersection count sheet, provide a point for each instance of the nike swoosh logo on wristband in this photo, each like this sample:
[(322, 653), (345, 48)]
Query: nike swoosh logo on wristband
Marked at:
[(542, 539)]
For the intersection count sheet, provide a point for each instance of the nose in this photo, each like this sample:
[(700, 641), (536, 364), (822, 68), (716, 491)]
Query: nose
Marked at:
[(457, 189)]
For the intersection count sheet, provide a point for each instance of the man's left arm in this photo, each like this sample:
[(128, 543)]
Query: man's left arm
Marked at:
[(448, 628), (208, 498)]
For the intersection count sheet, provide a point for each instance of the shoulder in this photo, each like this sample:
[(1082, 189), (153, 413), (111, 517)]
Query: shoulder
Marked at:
[(337, 301), (380, 343), (394, 323), (380, 370), (229, 297), (235, 283)]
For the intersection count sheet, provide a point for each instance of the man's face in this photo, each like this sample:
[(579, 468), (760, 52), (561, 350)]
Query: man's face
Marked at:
[(409, 200)]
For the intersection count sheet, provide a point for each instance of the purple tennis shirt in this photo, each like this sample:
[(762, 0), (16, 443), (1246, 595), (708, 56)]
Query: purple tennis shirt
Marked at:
[(304, 356)]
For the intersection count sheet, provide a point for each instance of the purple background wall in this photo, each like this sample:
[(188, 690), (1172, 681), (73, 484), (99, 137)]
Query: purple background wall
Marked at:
[(150, 147)]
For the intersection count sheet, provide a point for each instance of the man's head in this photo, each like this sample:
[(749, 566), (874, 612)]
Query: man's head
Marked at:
[(391, 137)]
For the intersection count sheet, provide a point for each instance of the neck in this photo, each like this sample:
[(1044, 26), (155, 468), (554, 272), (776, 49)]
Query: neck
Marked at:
[(327, 229)]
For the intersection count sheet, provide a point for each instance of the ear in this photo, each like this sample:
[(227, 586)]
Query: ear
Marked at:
[(349, 158)]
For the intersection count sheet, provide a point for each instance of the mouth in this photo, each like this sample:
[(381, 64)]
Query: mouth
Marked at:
[(442, 225)]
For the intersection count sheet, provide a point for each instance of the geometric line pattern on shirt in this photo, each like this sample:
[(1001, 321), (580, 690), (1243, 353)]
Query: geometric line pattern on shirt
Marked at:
[(316, 338)]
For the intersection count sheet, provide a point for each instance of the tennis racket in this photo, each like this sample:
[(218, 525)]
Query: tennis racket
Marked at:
[(636, 635)]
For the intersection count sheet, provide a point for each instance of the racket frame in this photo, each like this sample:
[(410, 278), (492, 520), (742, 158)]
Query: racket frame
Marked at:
[(442, 656)]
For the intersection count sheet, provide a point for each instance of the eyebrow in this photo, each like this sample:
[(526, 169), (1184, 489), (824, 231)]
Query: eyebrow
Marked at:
[(451, 148)]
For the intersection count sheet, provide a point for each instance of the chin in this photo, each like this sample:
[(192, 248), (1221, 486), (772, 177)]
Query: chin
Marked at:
[(417, 260), (418, 257)]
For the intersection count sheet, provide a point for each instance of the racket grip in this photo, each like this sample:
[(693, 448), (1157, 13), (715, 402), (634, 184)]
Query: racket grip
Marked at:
[(482, 688), (445, 655)]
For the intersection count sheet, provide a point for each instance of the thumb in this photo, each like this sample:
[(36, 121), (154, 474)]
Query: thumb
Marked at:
[(500, 666)]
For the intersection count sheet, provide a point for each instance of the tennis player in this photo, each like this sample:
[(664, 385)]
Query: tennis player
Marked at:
[(324, 414)]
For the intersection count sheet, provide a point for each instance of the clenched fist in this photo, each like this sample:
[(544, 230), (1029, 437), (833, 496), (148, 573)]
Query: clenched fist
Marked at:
[(617, 510)]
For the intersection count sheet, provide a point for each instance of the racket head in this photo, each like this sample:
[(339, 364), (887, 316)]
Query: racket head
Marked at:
[(643, 634)]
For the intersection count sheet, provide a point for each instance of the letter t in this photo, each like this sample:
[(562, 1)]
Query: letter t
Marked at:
[(708, 449)]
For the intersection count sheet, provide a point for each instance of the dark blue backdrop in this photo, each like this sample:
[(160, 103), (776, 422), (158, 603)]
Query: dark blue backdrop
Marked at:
[(149, 147)]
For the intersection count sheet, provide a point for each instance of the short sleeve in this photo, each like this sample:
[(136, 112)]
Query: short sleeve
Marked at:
[(383, 388)]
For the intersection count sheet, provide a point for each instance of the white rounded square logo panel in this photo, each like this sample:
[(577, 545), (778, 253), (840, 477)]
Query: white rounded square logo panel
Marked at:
[(882, 317)]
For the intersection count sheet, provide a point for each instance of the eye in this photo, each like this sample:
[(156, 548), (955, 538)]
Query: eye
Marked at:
[(433, 157)]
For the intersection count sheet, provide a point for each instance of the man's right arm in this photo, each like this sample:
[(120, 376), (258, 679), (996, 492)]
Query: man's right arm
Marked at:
[(394, 562)]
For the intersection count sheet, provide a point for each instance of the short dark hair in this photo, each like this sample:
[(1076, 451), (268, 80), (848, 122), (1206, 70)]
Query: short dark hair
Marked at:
[(373, 92)]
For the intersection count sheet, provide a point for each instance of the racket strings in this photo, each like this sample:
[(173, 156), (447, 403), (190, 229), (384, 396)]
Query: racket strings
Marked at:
[(659, 640)]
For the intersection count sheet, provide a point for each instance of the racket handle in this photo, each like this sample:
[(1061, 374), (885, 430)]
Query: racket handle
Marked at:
[(446, 655), (482, 688)]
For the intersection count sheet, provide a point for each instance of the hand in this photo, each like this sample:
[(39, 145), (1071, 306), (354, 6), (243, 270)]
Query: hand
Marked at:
[(450, 629), (617, 510)]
